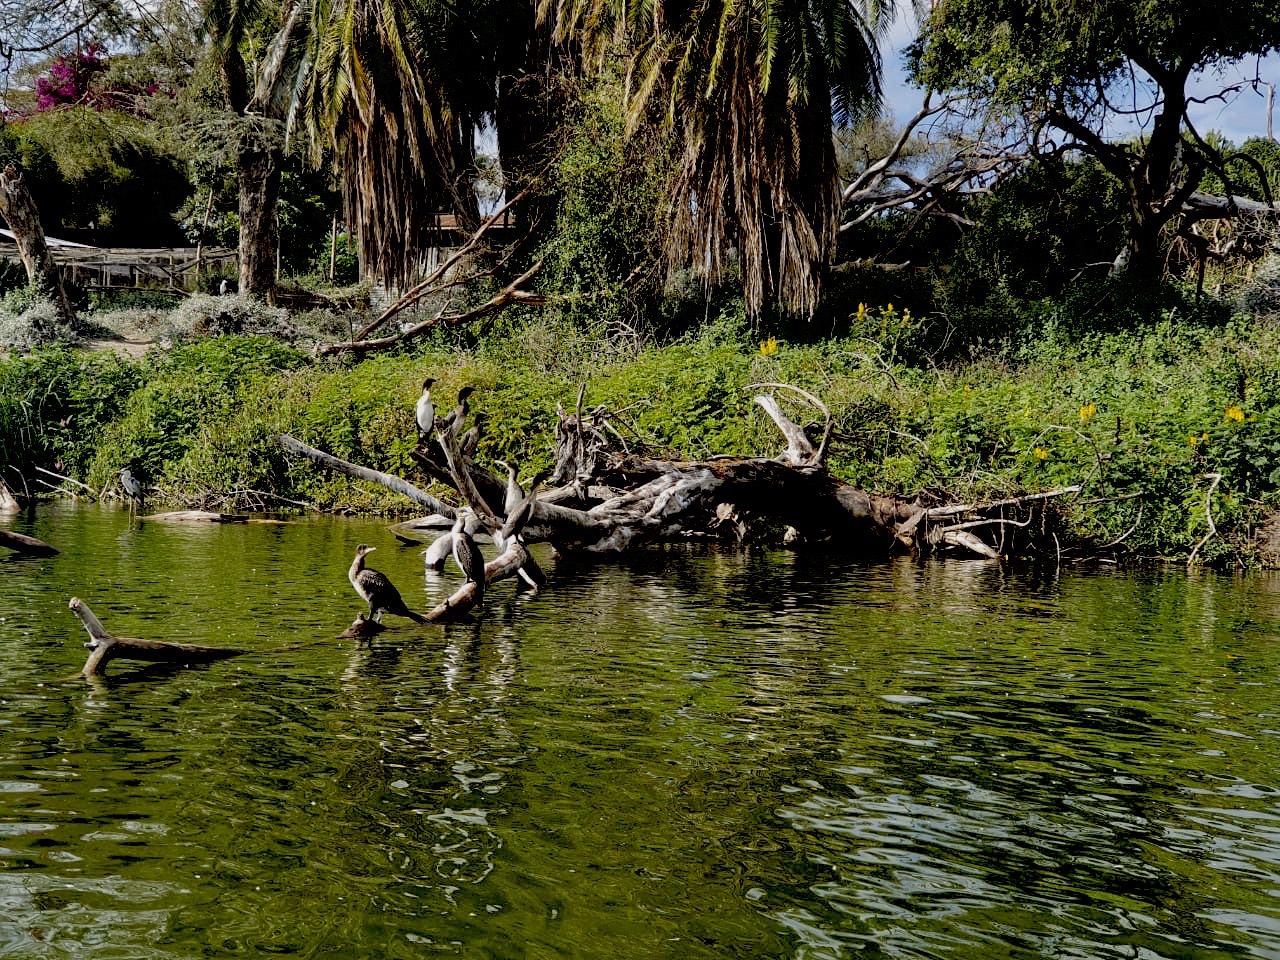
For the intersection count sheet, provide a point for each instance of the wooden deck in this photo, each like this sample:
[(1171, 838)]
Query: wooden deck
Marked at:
[(134, 268)]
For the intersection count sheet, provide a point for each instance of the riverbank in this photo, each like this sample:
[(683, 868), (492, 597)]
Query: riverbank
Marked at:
[(1173, 431)]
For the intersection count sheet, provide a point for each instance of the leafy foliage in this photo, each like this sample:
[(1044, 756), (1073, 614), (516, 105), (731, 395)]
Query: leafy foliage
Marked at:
[(1079, 68), (603, 246)]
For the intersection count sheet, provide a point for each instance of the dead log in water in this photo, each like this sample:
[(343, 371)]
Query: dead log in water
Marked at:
[(390, 481), (105, 646), (602, 498), (28, 546)]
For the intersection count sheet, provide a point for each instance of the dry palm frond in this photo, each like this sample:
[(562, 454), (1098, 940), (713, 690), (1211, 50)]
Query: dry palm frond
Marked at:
[(753, 89)]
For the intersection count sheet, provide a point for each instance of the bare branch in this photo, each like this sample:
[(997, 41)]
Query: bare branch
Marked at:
[(508, 295)]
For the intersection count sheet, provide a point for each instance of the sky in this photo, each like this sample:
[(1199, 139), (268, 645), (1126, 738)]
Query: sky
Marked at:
[(1240, 117)]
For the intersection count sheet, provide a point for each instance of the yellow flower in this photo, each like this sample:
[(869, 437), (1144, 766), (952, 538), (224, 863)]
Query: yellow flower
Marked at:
[(1235, 413), (769, 346), (1087, 411), (1193, 440), (862, 312), (1041, 453)]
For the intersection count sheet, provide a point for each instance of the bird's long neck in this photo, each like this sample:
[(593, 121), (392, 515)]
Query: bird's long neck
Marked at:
[(356, 566)]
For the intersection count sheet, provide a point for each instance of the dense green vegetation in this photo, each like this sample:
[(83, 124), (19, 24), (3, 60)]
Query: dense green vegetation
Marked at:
[(1142, 419), (688, 180)]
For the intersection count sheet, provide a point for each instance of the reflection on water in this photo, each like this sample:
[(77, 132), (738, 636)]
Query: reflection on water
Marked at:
[(679, 755)]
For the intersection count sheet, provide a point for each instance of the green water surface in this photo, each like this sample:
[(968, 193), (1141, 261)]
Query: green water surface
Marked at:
[(682, 754)]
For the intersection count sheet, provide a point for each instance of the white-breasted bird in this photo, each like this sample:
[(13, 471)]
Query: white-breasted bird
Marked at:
[(465, 552), (377, 589), (425, 411)]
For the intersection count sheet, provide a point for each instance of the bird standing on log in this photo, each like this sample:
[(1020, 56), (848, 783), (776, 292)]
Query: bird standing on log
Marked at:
[(518, 516), (425, 411), (377, 590), (511, 498), (517, 508), (465, 552), (132, 486)]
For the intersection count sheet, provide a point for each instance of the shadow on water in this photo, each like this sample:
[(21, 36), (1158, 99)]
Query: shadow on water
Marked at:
[(682, 754)]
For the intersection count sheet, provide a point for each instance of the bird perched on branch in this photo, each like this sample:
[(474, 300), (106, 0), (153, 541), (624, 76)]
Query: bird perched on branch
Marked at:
[(470, 440), (465, 552), (519, 515), (452, 421), (132, 487), (517, 508), (511, 499), (425, 411), (377, 590)]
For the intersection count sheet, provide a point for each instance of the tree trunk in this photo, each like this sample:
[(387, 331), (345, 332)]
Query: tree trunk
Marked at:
[(30, 546), (19, 211), (258, 173)]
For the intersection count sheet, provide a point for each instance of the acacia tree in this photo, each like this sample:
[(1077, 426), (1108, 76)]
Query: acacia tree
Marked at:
[(1080, 73)]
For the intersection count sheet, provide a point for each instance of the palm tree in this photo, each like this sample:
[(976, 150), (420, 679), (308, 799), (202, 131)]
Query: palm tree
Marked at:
[(752, 89), (396, 90)]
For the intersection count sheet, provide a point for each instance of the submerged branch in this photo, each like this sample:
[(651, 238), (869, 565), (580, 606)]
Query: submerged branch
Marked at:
[(105, 647)]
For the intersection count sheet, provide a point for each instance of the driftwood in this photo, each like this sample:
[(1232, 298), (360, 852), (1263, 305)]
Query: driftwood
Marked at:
[(330, 462), (603, 499), (197, 516), (106, 647), (28, 546)]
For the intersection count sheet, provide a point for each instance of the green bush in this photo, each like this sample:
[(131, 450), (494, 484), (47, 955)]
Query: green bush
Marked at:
[(1156, 426)]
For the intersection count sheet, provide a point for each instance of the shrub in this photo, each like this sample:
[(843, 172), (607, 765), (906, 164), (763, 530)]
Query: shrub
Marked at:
[(28, 319)]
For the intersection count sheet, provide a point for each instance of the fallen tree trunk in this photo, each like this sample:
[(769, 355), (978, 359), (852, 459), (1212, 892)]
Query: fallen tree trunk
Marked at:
[(29, 546), (106, 647), (330, 462), (603, 499)]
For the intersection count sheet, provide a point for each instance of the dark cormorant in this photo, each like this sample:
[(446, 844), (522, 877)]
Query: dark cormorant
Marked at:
[(132, 487), (465, 552), (453, 419), (425, 412), (379, 592), (523, 511), (470, 440)]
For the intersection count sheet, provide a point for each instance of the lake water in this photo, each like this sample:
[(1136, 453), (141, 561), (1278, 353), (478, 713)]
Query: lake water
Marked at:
[(680, 754)]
